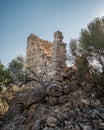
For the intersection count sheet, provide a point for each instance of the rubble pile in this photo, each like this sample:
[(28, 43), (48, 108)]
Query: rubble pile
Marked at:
[(66, 105), (62, 101)]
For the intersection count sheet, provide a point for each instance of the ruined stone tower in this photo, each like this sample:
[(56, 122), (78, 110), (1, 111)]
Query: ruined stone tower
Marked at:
[(46, 58), (58, 57)]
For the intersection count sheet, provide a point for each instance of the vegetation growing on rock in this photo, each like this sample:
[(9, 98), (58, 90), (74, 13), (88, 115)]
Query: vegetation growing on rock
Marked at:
[(74, 102)]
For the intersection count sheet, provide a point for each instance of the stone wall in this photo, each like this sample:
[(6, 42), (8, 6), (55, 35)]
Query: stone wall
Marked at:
[(46, 58), (38, 54), (58, 57)]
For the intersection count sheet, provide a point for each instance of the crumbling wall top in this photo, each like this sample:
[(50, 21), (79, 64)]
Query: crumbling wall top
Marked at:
[(58, 36), (42, 44)]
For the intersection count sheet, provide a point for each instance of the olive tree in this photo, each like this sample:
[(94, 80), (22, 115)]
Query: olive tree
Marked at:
[(5, 77), (17, 70)]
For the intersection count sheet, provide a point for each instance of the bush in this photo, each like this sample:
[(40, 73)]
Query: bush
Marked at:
[(5, 77)]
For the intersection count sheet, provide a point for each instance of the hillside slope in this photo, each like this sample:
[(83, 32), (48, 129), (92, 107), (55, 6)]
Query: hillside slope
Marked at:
[(67, 105)]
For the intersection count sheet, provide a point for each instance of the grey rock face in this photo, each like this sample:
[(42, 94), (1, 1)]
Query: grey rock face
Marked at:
[(53, 109), (52, 121), (54, 90)]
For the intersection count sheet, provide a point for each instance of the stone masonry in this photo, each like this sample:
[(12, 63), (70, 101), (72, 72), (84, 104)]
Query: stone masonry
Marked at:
[(63, 103), (46, 58)]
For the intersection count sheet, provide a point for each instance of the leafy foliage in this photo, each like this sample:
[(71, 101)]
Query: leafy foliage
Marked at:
[(73, 47), (17, 70), (91, 42), (5, 77), (82, 66)]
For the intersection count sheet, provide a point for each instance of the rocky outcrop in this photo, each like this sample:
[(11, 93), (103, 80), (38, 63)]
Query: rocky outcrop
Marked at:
[(66, 105), (61, 100)]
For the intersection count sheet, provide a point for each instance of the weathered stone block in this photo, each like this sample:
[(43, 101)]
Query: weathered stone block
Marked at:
[(63, 74)]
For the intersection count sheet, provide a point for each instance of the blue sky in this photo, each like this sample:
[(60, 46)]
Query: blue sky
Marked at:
[(20, 18)]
